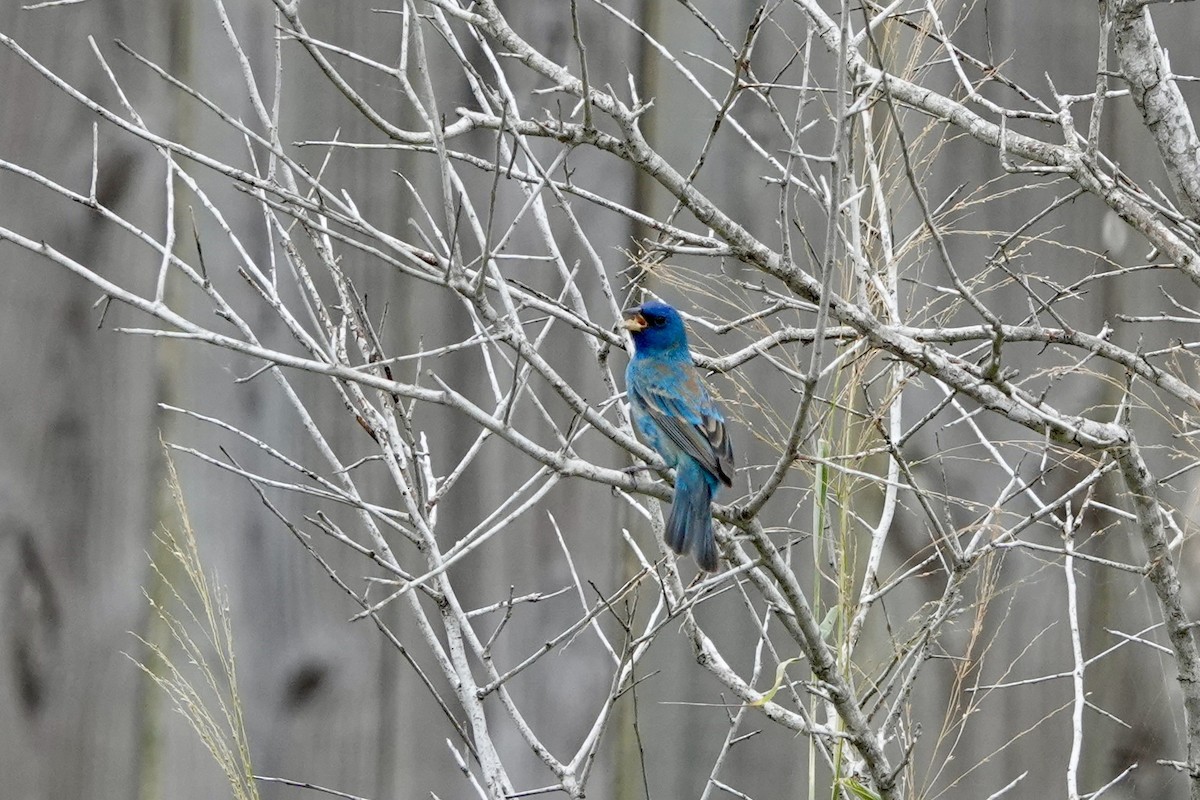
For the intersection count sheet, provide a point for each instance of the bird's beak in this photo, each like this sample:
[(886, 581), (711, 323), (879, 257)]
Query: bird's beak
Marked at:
[(634, 321)]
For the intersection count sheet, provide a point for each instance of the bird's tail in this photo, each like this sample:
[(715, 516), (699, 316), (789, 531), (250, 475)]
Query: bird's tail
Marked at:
[(689, 527)]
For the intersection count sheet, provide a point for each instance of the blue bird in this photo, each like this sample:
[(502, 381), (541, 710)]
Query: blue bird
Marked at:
[(676, 416)]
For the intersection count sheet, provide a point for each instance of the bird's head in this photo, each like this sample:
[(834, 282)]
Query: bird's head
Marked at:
[(656, 328)]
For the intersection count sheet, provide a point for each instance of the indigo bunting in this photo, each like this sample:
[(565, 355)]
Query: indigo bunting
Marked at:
[(676, 416)]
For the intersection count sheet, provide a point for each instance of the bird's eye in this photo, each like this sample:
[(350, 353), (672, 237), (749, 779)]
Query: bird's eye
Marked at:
[(653, 319)]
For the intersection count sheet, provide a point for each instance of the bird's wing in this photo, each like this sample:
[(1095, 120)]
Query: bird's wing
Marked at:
[(681, 407)]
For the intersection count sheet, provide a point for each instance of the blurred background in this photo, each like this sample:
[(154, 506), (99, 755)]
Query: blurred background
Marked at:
[(83, 481)]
